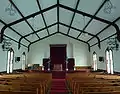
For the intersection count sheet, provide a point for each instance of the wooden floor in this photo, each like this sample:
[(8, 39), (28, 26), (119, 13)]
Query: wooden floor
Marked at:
[(78, 83)]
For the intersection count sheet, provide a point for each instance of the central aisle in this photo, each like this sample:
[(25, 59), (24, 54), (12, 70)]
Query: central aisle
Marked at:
[(58, 74), (58, 86)]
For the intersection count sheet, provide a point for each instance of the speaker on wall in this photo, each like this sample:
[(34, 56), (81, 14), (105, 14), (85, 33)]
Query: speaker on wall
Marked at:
[(101, 59)]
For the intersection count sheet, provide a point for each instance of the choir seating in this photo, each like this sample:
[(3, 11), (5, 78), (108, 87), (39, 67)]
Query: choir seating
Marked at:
[(93, 83), (25, 83)]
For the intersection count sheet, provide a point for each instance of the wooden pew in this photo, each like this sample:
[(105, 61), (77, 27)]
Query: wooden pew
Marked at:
[(33, 83), (90, 82)]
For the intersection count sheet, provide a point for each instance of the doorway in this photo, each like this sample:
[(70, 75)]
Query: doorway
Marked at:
[(58, 55)]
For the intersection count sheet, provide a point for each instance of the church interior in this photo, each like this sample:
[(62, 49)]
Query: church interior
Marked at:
[(59, 47)]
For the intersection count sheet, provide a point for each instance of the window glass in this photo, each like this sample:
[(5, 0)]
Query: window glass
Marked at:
[(111, 61), (10, 60), (94, 65), (107, 61)]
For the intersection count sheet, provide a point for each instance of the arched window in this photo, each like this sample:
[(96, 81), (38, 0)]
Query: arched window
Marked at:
[(10, 58), (111, 61), (107, 60), (94, 65), (23, 61)]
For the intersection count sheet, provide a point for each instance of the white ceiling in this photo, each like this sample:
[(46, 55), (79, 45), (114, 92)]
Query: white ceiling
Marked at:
[(28, 7)]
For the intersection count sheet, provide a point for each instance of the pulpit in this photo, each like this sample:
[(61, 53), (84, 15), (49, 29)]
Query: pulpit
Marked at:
[(57, 67)]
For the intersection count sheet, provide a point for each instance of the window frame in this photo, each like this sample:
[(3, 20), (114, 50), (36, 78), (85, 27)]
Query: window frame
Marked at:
[(10, 60)]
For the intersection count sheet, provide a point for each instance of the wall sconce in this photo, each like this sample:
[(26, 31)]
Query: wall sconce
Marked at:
[(6, 44), (113, 44)]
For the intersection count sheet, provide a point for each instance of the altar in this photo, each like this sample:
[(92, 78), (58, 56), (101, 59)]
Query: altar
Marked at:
[(57, 67)]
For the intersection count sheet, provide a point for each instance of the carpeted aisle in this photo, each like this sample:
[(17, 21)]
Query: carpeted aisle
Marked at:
[(58, 86)]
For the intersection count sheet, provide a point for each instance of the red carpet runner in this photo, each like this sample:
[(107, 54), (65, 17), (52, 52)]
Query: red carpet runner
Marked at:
[(58, 86)]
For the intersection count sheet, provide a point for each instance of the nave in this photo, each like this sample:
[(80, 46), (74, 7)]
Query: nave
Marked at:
[(32, 82), (59, 46)]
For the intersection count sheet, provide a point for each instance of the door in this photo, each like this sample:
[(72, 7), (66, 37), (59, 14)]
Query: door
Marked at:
[(58, 55)]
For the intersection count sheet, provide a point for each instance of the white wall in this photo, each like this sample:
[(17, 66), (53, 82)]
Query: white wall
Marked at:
[(101, 52), (75, 49), (18, 53)]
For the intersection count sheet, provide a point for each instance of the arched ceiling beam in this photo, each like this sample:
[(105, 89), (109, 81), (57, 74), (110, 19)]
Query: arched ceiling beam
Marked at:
[(105, 28), (76, 39), (13, 30), (40, 40), (94, 17), (104, 39), (15, 40), (25, 18), (35, 32), (65, 7), (62, 34)]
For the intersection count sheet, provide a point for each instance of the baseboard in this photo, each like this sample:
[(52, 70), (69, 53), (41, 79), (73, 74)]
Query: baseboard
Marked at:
[(82, 67), (101, 70), (14, 71)]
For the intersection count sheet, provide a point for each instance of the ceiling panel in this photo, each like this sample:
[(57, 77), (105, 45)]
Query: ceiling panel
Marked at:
[(27, 7), (12, 34), (80, 21), (65, 16), (118, 23), (72, 3), (51, 16), (63, 29), (32, 37), (25, 42), (52, 29), (22, 28), (43, 33), (5, 15), (36, 22), (74, 33), (114, 11), (89, 6), (111, 30), (1, 26), (93, 41), (85, 37), (47, 3), (95, 26)]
